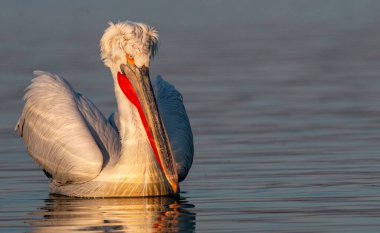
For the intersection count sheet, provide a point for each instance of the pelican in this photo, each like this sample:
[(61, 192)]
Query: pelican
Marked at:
[(145, 148)]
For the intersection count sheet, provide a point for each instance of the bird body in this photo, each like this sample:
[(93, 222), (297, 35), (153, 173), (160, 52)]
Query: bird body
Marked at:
[(144, 149)]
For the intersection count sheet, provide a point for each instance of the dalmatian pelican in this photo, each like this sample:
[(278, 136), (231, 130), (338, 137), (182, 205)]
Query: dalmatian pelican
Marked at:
[(145, 148)]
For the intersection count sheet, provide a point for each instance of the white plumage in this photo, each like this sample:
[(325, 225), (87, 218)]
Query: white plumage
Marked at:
[(86, 154)]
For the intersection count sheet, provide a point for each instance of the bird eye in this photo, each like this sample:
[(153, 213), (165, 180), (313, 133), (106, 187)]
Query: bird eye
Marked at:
[(130, 59)]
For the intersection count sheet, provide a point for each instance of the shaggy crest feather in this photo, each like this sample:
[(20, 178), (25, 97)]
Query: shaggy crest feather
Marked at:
[(137, 39)]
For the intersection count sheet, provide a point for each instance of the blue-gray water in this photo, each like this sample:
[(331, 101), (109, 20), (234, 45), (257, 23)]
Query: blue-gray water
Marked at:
[(283, 97)]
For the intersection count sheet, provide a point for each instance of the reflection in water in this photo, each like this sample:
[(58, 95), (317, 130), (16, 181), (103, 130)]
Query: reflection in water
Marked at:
[(284, 107), (152, 214)]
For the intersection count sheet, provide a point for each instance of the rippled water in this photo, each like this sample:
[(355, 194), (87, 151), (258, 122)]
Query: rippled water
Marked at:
[(283, 97)]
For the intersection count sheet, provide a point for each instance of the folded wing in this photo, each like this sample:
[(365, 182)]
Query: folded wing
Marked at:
[(64, 132), (173, 113)]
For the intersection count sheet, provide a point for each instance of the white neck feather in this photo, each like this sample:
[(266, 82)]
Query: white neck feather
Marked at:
[(137, 156), (131, 127), (132, 133)]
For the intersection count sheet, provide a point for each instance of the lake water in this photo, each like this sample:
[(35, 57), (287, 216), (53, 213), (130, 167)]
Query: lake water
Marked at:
[(283, 97)]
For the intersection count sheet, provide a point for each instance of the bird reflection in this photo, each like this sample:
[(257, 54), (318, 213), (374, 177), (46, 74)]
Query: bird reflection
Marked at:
[(150, 214)]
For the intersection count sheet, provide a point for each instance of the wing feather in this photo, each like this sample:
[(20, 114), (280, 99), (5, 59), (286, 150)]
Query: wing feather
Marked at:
[(173, 113), (55, 127), (105, 135)]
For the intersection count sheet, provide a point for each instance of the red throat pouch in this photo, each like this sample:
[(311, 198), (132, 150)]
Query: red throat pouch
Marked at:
[(130, 92)]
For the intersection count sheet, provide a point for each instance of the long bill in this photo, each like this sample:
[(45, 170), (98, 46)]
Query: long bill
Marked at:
[(145, 101)]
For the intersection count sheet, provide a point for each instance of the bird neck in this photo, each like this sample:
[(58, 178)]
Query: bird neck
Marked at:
[(131, 129), (136, 155)]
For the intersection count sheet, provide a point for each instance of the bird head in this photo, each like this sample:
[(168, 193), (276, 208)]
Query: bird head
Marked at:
[(128, 42)]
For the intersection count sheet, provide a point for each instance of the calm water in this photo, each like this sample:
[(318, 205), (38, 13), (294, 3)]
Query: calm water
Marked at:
[(283, 97)]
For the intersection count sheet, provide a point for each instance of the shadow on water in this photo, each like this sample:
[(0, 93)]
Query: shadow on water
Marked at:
[(152, 214)]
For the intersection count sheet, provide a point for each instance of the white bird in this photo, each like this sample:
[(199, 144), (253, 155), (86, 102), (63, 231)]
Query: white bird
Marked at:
[(144, 149)]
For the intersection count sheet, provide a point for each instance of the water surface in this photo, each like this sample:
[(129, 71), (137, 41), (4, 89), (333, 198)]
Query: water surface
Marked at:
[(283, 97)]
